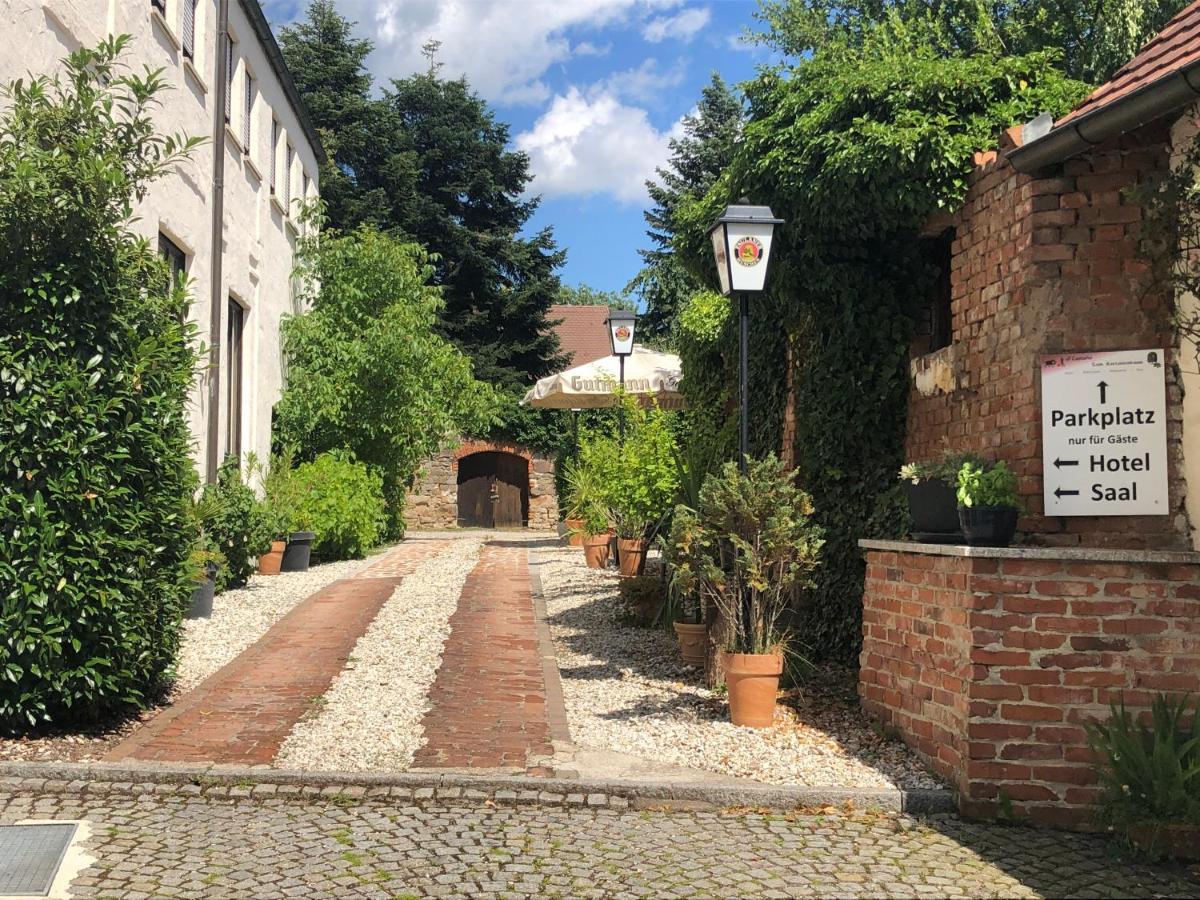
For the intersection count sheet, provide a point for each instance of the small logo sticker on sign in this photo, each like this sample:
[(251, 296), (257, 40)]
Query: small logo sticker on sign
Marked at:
[(622, 333), (748, 251)]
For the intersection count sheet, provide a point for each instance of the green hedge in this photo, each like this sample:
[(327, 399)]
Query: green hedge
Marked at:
[(95, 371)]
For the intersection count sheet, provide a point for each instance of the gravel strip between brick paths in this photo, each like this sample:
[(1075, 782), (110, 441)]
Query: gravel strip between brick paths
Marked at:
[(370, 718), (625, 690)]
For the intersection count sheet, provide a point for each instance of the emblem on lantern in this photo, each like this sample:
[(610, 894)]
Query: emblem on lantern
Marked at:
[(748, 251)]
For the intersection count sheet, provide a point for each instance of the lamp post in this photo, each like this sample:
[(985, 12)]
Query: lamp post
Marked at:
[(621, 323), (741, 240)]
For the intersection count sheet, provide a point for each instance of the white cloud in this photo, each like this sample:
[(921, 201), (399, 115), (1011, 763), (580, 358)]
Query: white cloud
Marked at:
[(682, 26), (503, 48), (594, 144), (645, 83)]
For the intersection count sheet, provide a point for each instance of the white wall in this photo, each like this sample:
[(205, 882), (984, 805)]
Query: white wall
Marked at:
[(259, 234)]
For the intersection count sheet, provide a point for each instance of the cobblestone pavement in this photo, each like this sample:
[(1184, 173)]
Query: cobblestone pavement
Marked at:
[(281, 842)]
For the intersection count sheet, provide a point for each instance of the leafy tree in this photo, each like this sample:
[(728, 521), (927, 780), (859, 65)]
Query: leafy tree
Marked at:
[(433, 166), (697, 159), (367, 371), (582, 295), (1095, 37), (96, 365), (855, 147)]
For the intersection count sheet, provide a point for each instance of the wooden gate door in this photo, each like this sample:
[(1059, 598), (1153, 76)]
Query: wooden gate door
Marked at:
[(475, 507), (511, 491)]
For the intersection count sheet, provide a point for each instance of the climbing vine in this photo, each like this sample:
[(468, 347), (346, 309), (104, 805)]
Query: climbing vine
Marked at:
[(855, 147)]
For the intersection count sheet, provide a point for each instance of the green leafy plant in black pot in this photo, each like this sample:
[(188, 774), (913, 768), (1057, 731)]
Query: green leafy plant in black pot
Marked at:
[(1150, 776), (286, 515), (930, 489), (205, 560), (988, 505)]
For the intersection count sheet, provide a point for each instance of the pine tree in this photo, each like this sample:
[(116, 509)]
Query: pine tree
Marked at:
[(428, 161), (696, 160)]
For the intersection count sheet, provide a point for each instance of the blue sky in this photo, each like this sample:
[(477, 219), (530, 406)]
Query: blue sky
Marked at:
[(592, 90)]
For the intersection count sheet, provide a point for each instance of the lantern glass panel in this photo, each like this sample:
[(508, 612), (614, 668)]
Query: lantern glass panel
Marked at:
[(749, 248), (718, 242)]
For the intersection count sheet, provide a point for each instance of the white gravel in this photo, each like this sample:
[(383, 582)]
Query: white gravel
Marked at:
[(241, 616), (370, 718), (626, 691)]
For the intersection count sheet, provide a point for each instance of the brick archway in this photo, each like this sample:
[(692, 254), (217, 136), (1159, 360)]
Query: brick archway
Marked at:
[(470, 448)]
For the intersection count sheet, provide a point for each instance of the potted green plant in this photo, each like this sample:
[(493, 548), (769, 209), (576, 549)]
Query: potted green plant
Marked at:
[(285, 513), (1150, 776), (596, 537), (583, 491), (685, 607), (205, 560), (988, 504), (746, 547), (930, 490), (640, 489)]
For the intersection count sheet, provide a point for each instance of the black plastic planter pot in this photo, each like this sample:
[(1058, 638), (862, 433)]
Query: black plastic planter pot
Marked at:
[(933, 507), (988, 526), (202, 596), (297, 551)]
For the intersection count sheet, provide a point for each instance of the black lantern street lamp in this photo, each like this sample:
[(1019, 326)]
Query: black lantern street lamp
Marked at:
[(621, 323), (741, 240)]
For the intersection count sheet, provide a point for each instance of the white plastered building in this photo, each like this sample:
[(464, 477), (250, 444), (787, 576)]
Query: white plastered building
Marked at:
[(242, 189)]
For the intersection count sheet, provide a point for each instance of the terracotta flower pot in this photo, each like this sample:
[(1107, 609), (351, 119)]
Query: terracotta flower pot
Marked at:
[(753, 682), (574, 532), (693, 641), (269, 562), (631, 555), (595, 550)]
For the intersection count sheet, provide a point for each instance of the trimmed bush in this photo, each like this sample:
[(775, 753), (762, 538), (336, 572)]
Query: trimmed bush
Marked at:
[(95, 370), (342, 501)]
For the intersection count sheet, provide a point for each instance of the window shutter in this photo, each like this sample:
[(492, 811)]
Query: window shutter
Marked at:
[(189, 29), (246, 115), (274, 154), (228, 79)]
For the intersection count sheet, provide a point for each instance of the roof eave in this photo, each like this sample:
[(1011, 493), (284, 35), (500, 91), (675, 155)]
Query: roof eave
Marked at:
[(1165, 95), (267, 38)]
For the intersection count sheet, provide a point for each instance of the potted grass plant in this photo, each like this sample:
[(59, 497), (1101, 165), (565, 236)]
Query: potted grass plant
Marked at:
[(1150, 776), (988, 504), (583, 491), (747, 546)]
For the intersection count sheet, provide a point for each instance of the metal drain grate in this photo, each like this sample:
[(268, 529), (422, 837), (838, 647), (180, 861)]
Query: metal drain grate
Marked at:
[(30, 856)]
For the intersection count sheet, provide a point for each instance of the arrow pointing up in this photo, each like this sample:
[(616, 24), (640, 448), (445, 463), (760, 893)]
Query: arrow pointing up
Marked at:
[(1103, 391), (1060, 493), (1059, 463)]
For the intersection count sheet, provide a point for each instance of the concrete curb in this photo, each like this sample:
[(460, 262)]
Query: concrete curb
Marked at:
[(139, 778)]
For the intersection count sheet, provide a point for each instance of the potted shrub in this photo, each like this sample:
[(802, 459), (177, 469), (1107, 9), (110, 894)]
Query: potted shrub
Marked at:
[(747, 546), (930, 490), (205, 566), (583, 490), (596, 536), (1150, 777), (987, 504), (640, 488), (234, 526), (286, 515), (687, 613)]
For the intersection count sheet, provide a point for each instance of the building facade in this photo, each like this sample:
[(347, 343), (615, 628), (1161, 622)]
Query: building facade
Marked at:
[(229, 218)]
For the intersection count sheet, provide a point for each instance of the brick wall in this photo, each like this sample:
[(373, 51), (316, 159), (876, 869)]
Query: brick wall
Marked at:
[(989, 667), (1044, 265)]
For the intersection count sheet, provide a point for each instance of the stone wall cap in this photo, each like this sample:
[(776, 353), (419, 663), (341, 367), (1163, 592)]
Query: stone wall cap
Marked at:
[(1084, 554)]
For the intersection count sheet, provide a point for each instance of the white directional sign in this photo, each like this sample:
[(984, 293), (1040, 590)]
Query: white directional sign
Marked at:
[(1104, 433)]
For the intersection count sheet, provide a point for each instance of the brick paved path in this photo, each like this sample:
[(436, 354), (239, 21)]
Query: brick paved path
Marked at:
[(488, 702), (242, 713), (345, 846)]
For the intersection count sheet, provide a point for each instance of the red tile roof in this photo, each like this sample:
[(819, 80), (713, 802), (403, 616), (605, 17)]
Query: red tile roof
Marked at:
[(1170, 50), (582, 332)]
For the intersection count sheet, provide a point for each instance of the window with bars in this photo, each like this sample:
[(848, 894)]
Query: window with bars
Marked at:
[(188, 37), (230, 68), (248, 112), (233, 380), (274, 153)]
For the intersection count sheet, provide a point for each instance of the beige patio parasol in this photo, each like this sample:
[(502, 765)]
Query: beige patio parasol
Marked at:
[(648, 375)]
